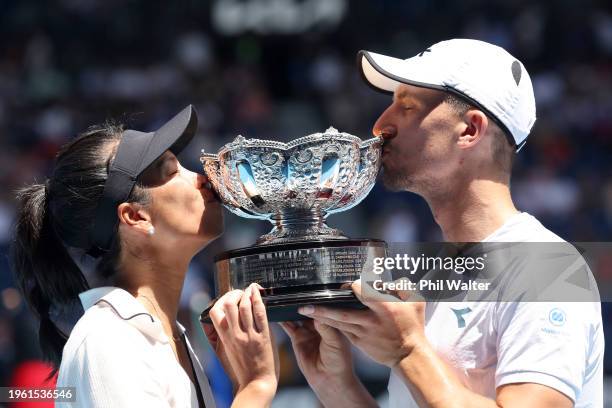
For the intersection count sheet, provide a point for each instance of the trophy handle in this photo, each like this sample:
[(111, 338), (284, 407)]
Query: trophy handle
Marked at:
[(369, 164), (212, 169)]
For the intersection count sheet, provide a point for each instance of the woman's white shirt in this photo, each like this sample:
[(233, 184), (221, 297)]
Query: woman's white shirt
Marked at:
[(118, 355)]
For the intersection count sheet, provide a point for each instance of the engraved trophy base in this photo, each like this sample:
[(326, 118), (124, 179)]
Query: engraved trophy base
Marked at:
[(297, 273)]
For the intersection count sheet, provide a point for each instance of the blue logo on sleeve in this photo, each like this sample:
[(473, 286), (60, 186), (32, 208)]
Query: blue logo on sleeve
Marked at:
[(557, 317)]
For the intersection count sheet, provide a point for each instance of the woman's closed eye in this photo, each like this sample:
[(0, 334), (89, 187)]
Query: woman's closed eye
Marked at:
[(170, 167), (162, 170)]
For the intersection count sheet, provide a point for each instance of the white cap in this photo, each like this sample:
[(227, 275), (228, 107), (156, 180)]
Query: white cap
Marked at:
[(484, 74)]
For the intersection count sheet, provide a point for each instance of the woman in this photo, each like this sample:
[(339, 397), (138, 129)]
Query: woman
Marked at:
[(123, 198)]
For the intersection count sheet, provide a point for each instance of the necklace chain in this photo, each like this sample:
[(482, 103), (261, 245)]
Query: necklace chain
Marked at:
[(175, 338)]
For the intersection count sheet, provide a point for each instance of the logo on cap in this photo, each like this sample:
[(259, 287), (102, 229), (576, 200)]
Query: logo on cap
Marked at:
[(423, 52), (516, 71)]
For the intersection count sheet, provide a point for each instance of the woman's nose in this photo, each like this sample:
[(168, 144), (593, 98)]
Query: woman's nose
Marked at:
[(201, 180)]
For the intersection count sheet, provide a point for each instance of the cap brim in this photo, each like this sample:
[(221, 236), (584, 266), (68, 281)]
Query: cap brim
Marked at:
[(136, 152), (384, 73), (174, 135)]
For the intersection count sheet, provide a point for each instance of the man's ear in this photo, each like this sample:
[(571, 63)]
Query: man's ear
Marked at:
[(134, 215), (476, 124)]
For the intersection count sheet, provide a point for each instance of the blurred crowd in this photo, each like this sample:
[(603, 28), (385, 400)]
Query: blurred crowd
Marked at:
[(280, 69)]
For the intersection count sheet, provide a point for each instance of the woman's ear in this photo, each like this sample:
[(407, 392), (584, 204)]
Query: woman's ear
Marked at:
[(476, 124), (134, 215)]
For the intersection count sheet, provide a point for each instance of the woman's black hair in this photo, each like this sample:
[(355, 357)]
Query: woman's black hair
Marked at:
[(60, 212)]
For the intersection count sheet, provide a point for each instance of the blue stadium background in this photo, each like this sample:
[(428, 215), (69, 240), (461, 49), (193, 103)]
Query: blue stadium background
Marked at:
[(281, 69)]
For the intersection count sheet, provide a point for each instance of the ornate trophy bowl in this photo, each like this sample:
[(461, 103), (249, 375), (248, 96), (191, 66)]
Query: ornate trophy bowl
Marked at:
[(295, 186)]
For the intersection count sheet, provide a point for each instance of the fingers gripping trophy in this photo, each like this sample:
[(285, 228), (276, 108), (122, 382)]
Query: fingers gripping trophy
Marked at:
[(295, 186)]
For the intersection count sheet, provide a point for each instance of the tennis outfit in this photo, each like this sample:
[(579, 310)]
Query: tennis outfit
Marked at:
[(119, 356), (489, 344)]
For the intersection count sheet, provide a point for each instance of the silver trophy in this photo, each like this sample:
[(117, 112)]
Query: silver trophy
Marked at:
[(295, 186)]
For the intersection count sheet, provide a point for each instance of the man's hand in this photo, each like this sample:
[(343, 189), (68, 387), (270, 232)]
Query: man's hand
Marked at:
[(387, 331), (324, 357), (322, 352), (393, 333)]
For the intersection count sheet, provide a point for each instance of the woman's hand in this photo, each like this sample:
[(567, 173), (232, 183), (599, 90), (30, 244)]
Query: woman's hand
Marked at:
[(217, 346), (241, 326)]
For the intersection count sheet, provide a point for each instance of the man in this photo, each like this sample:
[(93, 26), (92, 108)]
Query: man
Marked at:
[(461, 109)]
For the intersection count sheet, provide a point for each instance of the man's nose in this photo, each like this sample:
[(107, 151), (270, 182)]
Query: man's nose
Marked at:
[(386, 132), (383, 128)]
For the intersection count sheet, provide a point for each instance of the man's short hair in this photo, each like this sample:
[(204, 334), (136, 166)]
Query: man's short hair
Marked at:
[(503, 152)]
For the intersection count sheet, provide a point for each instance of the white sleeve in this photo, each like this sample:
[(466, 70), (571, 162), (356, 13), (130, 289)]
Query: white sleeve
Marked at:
[(112, 371), (544, 343)]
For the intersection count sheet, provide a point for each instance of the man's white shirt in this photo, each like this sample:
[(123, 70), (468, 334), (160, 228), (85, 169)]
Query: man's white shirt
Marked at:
[(489, 344)]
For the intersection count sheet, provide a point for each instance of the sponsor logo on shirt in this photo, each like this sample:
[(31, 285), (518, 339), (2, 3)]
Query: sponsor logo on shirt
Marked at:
[(557, 317), (459, 315)]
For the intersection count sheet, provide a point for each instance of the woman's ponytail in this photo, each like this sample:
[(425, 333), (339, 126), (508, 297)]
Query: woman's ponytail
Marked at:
[(44, 270), (57, 213)]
